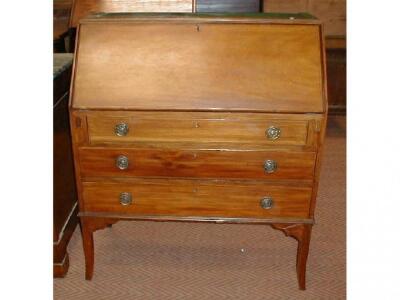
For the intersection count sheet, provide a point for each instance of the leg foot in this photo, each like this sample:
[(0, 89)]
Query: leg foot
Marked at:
[(302, 255), (88, 248), (302, 233), (61, 269)]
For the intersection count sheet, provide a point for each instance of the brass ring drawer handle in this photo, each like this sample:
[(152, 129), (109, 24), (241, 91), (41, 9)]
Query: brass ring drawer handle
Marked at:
[(270, 166), (122, 162), (121, 129), (125, 198), (273, 133), (266, 203)]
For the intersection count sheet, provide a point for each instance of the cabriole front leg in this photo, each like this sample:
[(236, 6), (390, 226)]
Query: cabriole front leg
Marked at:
[(88, 226), (302, 233)]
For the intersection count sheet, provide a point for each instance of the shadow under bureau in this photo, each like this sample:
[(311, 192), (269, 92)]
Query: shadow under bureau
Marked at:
[(198, 117)]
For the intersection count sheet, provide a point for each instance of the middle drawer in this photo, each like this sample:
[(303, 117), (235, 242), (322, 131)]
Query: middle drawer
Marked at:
[(132, 162)]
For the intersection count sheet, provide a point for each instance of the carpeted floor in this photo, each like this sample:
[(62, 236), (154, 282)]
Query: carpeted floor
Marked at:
[(150, 260)]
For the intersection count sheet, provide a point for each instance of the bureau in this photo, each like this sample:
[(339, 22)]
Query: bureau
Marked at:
[(199, 117)]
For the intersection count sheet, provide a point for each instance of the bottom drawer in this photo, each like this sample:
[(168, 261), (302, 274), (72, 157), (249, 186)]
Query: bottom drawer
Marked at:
[(197, 198)]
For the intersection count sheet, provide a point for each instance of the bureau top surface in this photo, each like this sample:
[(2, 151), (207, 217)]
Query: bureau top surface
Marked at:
[(129, 16), (200, 62)]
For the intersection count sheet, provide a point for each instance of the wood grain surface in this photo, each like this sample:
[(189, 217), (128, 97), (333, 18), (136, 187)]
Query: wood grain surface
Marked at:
[(197, 198), (199, 66), (204, 164), (199, 127)]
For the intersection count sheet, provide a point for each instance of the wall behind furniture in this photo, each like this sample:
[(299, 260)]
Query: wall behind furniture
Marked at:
[(331, 12)]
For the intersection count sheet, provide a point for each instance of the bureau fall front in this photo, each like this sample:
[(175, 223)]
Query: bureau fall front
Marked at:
[(209, 118)]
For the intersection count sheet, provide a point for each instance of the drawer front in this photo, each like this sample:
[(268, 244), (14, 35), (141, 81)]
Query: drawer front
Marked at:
[(171, 197), (197, 128), (196, 163)]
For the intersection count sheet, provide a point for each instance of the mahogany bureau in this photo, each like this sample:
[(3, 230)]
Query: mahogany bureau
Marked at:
[(197, 117)]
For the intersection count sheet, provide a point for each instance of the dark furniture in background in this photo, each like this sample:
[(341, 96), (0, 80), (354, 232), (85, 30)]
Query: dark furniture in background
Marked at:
[(65, 206), (336, 69), (61, 14), (243, 6)]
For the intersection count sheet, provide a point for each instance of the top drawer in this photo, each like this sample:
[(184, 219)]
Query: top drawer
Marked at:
[(241, 128)]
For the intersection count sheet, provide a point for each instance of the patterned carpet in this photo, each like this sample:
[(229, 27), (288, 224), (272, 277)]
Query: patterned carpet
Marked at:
[(149, 260)]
